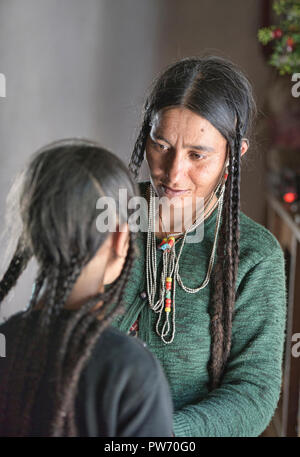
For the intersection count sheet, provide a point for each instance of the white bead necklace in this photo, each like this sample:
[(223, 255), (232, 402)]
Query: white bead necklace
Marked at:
[(170, 268)]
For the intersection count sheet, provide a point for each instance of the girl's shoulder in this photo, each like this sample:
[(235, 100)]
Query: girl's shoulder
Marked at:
[(7, 324)]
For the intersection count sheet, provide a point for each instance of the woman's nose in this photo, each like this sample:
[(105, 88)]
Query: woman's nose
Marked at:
[(175, 167)]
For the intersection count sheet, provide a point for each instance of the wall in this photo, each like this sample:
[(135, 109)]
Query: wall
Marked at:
[(77, 68)]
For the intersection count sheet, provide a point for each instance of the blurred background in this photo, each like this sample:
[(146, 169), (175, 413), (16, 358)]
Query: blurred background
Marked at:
[(77, 68), (83, 68)]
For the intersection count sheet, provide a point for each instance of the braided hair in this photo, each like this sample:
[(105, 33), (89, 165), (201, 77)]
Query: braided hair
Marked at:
[(218, 91), (58, 199)]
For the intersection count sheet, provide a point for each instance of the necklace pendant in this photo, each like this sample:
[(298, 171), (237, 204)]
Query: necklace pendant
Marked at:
[(166, 243)]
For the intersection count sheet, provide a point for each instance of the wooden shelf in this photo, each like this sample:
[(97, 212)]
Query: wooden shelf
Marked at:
[(281, 223)]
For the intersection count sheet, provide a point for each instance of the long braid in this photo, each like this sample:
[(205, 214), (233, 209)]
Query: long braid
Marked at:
[(235, 230), (63, 280), (86, 332), (35, 355), (80, 346), (67, 278), (227, 265), (72, 323), (16, 267), (137, 156), (115, 300), (224, 279), (33, 364), (217, 310)]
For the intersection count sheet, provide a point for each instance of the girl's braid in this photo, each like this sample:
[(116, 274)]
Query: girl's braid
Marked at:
[(80, 346), (16, 267)]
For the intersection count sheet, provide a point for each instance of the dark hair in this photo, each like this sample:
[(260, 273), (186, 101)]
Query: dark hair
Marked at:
[(218, 91), (59, 191)]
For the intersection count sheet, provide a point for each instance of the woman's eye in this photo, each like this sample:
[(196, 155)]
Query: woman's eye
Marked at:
[(162, 146), (197, 156)]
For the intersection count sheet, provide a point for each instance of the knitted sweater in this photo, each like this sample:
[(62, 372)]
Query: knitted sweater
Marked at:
[(244, 403)]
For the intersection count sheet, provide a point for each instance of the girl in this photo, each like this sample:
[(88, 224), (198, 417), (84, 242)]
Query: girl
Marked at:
[(66, 371)]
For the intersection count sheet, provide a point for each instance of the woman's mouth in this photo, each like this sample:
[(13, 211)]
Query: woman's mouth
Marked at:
[(171, 192)]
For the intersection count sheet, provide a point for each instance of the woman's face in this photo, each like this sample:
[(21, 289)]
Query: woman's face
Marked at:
[(186, 154)]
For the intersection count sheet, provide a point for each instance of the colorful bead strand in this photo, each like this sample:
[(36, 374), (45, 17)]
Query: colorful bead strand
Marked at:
[(168, 300)]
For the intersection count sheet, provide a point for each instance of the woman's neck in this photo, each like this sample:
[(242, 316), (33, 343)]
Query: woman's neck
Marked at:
[(161, 228)]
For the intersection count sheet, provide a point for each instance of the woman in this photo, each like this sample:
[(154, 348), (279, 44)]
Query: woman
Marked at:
[(213, 311), (66, 371)]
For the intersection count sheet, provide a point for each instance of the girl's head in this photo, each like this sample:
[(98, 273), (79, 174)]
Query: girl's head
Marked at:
[(60, 201), (60, 205), (197, 121)]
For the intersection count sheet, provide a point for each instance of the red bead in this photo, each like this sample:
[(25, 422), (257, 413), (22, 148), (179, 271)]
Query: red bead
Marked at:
[(168, 301), (164, 240)]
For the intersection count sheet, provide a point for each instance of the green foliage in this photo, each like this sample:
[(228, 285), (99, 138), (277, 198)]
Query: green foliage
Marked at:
[(265, 35), (284, 37)]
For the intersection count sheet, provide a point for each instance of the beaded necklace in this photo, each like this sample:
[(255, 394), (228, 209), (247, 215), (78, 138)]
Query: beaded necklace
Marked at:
[(165, 305)]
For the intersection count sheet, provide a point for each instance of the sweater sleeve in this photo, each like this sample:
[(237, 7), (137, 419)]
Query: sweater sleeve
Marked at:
[(244, 403)]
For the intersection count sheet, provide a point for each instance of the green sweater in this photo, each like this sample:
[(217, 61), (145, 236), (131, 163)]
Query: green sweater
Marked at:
[(246, 400)]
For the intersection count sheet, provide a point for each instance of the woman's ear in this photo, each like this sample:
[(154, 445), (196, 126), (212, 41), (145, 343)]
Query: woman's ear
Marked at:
[(245, 146)]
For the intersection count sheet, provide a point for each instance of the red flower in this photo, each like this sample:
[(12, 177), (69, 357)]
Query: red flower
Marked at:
[(277, 33)]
